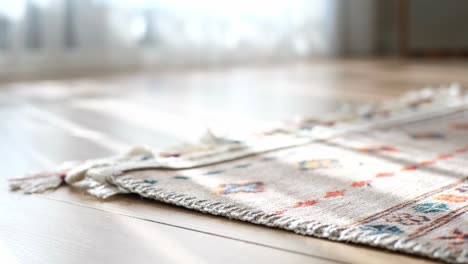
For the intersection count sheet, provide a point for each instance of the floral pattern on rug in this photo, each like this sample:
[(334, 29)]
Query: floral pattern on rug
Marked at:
[(456, 238), (318, 164), (247, 187)]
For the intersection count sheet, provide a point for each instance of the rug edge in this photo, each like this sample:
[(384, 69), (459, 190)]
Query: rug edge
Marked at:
[(308, 228)]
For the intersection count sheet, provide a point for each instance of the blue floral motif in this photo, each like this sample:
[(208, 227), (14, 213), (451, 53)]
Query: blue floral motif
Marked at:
[(150, 181), (427, 208), (242, 166), (267, 158), (214, 172), (181, 177), (427, 135), (143, 158), (382, 229), (247, 187)]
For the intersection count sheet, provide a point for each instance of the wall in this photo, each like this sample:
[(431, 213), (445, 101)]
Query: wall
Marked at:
[(104, 35)]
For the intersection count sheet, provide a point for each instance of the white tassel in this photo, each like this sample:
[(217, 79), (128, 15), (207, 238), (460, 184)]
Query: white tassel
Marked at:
[(37, 183), (77, 173)]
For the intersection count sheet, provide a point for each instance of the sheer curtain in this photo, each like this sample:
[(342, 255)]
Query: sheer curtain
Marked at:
[(60, 35)]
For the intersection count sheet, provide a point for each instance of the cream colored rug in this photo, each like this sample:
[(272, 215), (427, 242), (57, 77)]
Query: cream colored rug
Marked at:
[(391, 175)]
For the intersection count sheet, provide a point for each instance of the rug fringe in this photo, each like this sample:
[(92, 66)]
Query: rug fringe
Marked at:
[(77, 173), (36, 184)]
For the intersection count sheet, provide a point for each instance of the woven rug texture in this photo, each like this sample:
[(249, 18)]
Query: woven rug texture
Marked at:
[(400, 185)]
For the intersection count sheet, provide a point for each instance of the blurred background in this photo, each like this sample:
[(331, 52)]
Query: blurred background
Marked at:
[(86, 79), (48, 38)]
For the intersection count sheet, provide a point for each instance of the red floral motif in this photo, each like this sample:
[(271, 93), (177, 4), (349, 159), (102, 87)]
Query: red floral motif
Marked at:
[(407, 219), (360, 183), (384, 174), (305, 203), (427, 162), (460, 150), (280, 212), (453, 198), (459, 125), (444, 156), (335, 193), (378, 149), (409, 168), (457, 237)]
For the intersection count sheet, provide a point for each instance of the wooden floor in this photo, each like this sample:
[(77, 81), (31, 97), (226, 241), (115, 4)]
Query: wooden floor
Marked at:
[(45, 123)]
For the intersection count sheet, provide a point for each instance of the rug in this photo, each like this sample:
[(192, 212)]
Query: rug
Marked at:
[(391, 175)]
